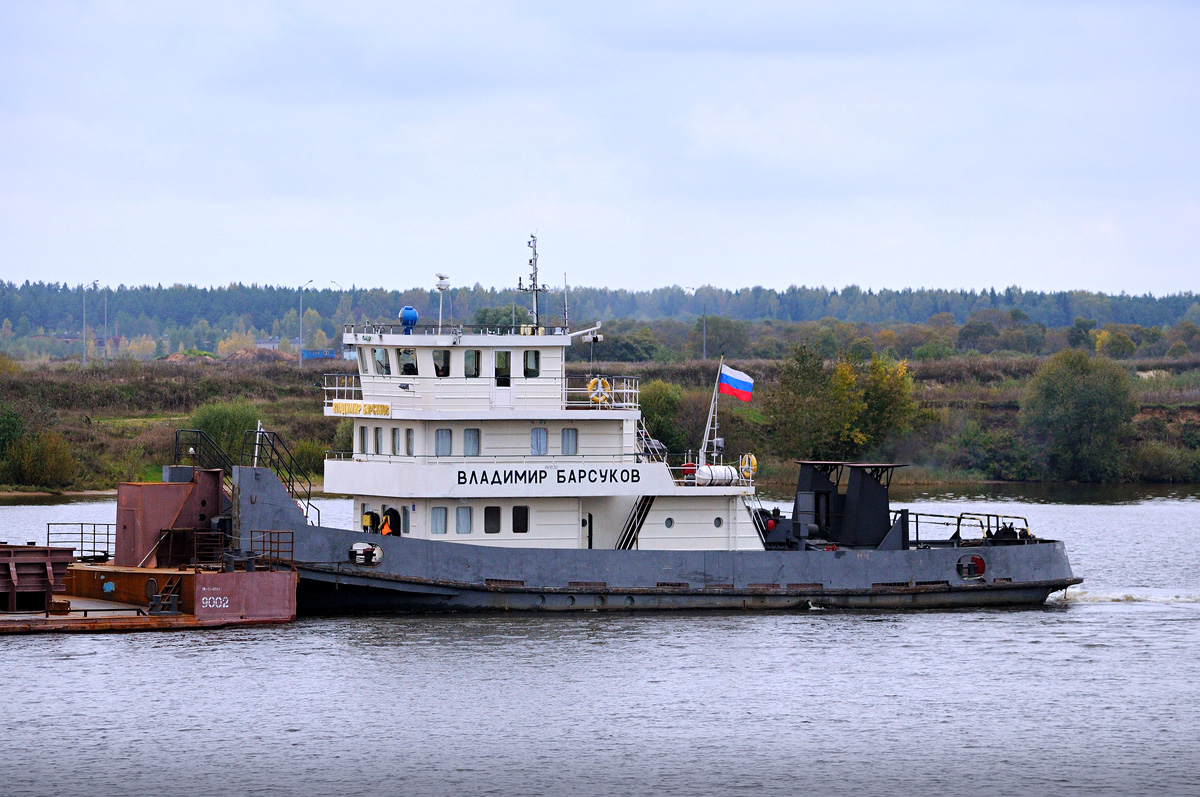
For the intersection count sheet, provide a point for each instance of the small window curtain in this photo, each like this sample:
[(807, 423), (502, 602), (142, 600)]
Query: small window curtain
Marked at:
[(538, 441)]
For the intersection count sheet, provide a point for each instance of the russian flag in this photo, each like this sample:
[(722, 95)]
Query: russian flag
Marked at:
[(735, 383)]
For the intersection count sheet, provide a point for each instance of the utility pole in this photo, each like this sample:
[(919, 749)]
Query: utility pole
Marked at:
[(703, 322)]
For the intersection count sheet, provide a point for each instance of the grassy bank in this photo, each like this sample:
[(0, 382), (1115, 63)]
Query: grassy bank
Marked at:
[(119, 421)]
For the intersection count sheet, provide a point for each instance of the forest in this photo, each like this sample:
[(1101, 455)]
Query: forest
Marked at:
[(967, 386)]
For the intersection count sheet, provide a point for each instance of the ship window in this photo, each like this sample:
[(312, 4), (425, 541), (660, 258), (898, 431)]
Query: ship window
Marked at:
[(395, 441), (520, 520), (717, 522), (462, 520), (538, 441), (504, 369), (408, 362), (410, 442), (383, 365), (470, 442), (533, 363), (441, 362), (362, 439), (471, 363), (491, 520), (570, 442), (405, 521), (362, 360), (378, 440), (669, 522), (437, 520), (441, 442)]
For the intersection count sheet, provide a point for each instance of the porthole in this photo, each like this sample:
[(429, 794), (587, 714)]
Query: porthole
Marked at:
[(971, 566), (717, 522), (669, 522), (628, 600)]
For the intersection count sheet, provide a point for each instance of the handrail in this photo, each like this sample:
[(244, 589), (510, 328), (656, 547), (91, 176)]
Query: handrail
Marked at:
[(194, 447), (522, 330), (91, 541), (266, 449)]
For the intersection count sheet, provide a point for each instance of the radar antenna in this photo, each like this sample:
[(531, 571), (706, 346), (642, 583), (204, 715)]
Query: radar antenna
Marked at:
[(534, 287)]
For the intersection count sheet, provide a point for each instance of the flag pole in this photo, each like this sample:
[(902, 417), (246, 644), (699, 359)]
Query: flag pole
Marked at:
[(711, 424)]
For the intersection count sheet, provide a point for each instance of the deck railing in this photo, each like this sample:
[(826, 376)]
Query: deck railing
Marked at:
[(455, 329), (93, 542), (601, 392)]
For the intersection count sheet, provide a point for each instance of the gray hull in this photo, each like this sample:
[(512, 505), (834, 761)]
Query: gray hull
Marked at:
[(423, 575)]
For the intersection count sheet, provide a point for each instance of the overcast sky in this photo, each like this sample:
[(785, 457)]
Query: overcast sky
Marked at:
[(1047, 145)]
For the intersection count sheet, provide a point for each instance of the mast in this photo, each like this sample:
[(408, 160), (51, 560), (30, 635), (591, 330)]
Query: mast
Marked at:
[(710, 426), (534, 287)]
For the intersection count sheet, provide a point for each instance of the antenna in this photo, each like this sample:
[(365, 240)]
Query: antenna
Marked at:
[(566, 318), (534, 287)]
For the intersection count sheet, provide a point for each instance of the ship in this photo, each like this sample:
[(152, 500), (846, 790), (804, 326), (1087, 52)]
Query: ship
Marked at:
[(485, 477)]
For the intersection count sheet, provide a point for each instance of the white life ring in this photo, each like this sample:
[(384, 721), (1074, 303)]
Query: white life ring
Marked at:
[(598, 390), (748, 465)]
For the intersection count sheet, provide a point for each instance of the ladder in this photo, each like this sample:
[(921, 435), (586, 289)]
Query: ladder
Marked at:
[(633, 523)]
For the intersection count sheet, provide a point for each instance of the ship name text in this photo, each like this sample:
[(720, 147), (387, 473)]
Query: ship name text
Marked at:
[(539, 475)]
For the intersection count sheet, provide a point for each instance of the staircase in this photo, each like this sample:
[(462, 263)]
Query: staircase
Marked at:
[(633, 523), (194, 447), (263, 449)]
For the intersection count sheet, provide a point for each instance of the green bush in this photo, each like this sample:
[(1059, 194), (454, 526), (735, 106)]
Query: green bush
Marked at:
[(343, 438), (661, 403), (40, 460), (1154, 461), (310, 456), (1079, 410), (226, 422)]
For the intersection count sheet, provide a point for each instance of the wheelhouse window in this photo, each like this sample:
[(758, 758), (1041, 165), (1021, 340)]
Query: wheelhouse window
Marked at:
[(378, 440), (362, 440), (491, 520), (470, 442), (471, 360), (520, 520), (570, 442), (396, 441), (410, 442), (437, 520), (442, 439), (504, 369), (533, 363), (408, 362), (538, 441), (383, 365), (441, 362), (362, 359), (462, 520)]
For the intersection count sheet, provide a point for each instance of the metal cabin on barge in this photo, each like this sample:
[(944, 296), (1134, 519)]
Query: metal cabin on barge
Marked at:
[(487, 478)]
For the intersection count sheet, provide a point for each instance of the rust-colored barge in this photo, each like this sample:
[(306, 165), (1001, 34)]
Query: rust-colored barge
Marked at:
[(168, 563)]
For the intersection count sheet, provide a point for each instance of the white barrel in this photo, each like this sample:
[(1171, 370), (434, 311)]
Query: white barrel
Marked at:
[(715, 475)]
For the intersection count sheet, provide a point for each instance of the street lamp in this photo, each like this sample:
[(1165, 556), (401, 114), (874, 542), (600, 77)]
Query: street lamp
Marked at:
[(703, 322), (94, 284), (443, 284), (300, 348)]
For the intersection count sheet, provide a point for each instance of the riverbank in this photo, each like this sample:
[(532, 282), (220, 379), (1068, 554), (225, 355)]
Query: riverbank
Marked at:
[(119, 420)]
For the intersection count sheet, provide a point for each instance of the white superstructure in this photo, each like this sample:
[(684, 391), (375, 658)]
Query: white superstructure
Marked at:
[(478, 436)]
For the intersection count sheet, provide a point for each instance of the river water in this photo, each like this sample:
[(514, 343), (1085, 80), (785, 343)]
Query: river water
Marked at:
[(1097, 693)]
